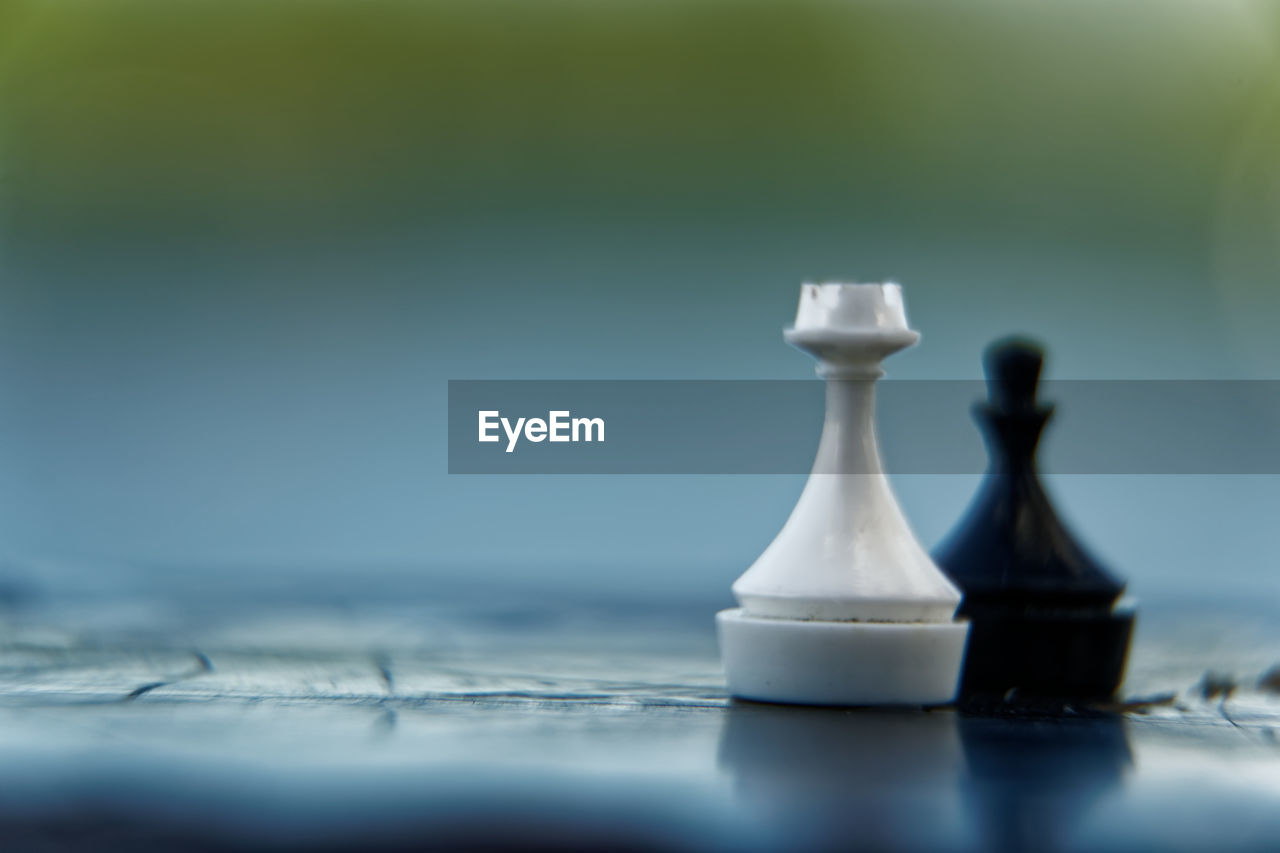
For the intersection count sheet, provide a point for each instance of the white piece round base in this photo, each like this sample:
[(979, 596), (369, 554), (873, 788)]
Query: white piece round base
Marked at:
[(808, 662)]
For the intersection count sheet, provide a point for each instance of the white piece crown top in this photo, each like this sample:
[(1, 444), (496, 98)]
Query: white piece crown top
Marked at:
[(851, 306)]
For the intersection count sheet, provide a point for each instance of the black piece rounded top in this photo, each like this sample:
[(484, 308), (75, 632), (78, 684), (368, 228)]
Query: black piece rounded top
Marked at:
[(1013, 372), (1011, 550)]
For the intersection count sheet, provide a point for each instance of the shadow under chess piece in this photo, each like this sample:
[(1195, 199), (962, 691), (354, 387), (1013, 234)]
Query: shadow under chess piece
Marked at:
[(1044, 621), (1031, 783), (821, 778)]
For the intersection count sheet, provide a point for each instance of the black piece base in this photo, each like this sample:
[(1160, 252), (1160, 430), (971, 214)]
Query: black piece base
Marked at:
[(1035, 655)]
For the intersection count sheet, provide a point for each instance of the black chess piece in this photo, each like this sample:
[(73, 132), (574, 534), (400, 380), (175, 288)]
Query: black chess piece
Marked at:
[(1044, 622)]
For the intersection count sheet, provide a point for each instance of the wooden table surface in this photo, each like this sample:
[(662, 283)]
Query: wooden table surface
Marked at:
[(215, 720)]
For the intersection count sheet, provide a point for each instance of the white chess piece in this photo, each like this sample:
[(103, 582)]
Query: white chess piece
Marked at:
[(845, 607)]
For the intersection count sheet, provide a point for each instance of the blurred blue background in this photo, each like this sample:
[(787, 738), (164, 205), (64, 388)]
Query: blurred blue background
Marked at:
[(243, 246)]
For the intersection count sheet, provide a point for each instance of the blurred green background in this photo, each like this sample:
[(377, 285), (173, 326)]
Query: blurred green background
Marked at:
[(243, 245)]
